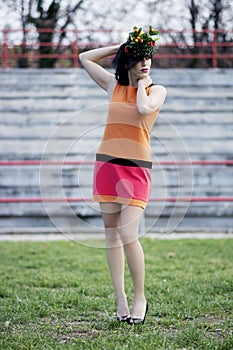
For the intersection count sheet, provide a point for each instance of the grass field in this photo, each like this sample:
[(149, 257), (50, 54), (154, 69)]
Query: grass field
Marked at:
[(58, 295)]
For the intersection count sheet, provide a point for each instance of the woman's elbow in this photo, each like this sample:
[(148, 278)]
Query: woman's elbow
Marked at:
[(81, 57), (145, 109), (84, 56)]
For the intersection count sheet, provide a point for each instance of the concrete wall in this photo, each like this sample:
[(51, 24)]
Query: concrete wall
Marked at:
[(59, 115)]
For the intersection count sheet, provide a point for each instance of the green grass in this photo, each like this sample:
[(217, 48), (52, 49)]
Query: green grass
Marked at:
[(58, 295)]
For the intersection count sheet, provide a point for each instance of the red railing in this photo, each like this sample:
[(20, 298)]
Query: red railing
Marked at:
[(76, 199), (8, 46)]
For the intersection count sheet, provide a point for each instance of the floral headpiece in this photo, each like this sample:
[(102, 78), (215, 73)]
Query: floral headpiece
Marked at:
[(140, 44)]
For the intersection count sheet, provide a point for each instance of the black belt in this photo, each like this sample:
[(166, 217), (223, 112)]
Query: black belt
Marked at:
[(124, 161)]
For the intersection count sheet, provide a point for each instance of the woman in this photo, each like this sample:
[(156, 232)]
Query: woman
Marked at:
[(122, 175)]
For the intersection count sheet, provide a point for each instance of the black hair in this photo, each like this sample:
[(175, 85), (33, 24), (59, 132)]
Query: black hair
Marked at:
[(122, 63)]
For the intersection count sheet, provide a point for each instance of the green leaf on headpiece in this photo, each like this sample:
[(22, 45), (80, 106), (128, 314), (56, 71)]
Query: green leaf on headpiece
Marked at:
[(153, 31)]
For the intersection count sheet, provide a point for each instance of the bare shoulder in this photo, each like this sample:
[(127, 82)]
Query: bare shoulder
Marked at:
[(158, 95), (159, 89)]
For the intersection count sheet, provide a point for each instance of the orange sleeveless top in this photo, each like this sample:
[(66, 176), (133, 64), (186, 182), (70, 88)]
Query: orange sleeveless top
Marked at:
[(127, 132)]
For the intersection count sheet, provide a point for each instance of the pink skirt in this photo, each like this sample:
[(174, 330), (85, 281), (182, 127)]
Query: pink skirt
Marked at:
[(121, 181)]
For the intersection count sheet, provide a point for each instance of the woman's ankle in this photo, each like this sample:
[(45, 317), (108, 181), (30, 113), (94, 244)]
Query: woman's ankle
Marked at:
[(121, 297), (122, 305), (139, 298)]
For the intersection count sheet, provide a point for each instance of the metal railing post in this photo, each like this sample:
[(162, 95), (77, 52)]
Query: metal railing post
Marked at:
[(5, 49), (214, 50), (75, 50)]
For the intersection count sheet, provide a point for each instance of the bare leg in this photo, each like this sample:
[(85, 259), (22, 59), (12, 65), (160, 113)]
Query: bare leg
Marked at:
[(115, 253), (130, 220)]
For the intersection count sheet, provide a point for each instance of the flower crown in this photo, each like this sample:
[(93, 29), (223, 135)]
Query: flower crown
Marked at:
[(140, 44)]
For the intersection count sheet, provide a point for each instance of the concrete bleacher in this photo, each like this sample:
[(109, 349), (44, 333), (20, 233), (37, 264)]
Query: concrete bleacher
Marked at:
[(59, 115)]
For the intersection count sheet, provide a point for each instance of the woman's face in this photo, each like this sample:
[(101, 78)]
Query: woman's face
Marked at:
[(141, 69)]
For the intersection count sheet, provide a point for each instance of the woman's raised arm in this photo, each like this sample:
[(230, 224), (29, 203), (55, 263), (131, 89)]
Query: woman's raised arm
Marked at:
[(100, 75)]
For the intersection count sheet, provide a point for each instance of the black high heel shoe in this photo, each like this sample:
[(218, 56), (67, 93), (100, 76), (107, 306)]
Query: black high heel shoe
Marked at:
[(125, 318), (139, 320)]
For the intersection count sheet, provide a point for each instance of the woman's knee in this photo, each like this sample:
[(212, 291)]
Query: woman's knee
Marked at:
[(129, 237), (112, 237)]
